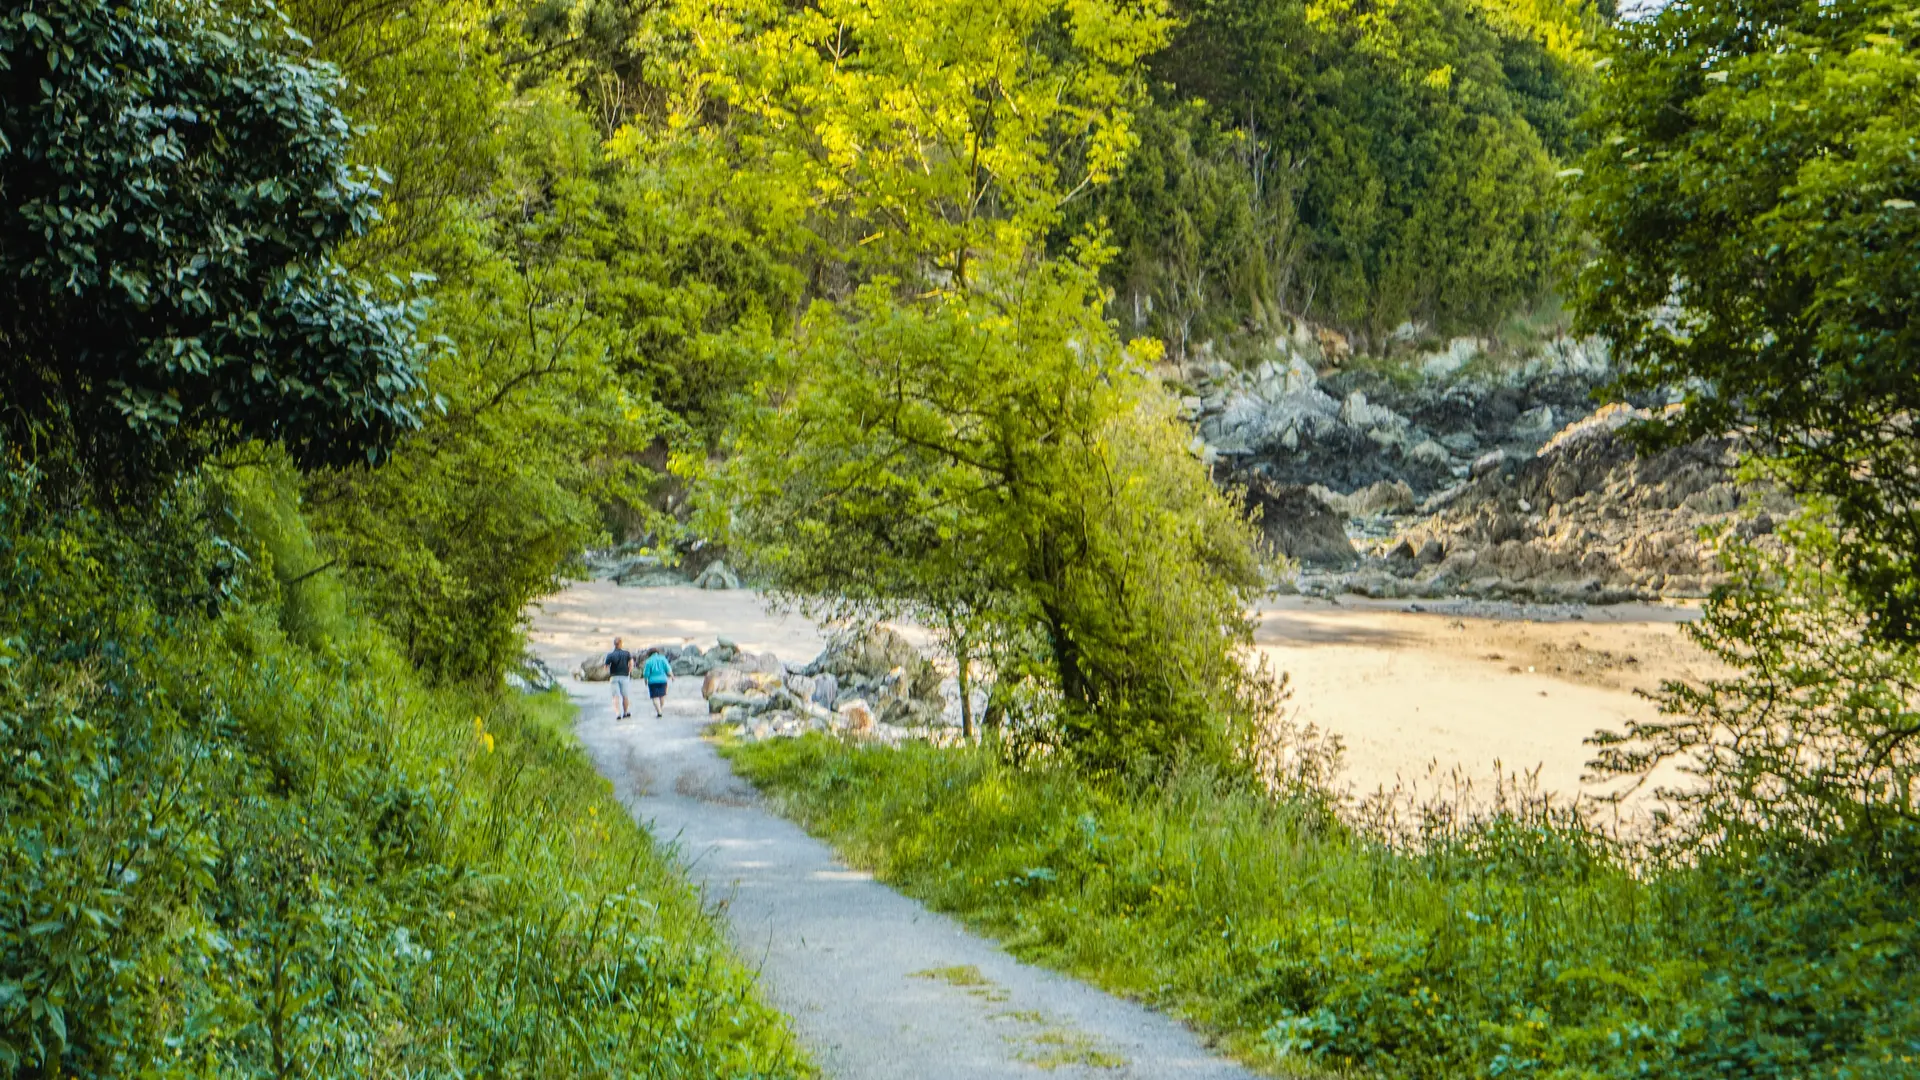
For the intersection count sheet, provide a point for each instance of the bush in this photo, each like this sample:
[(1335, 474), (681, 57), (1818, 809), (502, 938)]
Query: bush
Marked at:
[(174, 192)]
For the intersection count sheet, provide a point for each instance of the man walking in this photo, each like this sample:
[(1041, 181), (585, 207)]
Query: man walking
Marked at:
[(657, 672), (620, 671)]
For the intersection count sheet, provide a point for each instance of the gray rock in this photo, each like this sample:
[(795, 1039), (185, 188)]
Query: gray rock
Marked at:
[(1535, 423), (692, 664), (1380, 497), (594, 669), (1296, 523), (536, 674), (800, 686), (752, 700), (717, 575), (1488, 463), (826, 689), (1429, 452), (1450, 360)]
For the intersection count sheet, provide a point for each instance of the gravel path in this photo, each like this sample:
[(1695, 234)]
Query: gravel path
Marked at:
[(878, 987)]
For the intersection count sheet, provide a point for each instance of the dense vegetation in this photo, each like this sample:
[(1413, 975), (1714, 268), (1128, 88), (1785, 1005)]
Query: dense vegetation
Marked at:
[(1513, 941), (258, 817), (1360, 165), (1755, 206), (243, 838), (335, 331)]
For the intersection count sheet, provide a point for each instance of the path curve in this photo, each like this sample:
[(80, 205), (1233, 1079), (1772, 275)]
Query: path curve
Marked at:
[(878, 987)]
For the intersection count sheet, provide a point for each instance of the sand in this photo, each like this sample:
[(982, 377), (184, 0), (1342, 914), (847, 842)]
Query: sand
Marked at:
[(1414, 689)]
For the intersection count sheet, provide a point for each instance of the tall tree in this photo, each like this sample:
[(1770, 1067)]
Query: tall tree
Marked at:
[(954, 408), (1755, 209)]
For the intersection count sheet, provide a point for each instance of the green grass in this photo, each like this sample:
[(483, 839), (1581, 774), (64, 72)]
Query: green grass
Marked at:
[(239, 836), (1511, 945)]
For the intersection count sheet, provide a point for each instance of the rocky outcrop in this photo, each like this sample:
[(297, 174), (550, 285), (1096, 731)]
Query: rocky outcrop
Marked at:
[(1422, 426), (717, 575), (1584, 519), (873, 684), (1299, 523)]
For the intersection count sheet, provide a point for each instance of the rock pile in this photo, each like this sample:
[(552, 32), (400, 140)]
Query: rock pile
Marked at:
[(872, 685), (532, 676)]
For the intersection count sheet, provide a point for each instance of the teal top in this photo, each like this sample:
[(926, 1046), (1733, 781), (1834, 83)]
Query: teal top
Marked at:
[(656, 669)]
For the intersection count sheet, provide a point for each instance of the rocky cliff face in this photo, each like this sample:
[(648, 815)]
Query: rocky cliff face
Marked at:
[(1452, 475)]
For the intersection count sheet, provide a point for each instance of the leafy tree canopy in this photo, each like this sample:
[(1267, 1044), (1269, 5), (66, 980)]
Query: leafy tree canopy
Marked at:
[(954, 428), (1390, 162), (172, 188), (1755, 206)]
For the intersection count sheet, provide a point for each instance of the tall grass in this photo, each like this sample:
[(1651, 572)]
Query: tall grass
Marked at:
[(1514, 942), (240, 837)]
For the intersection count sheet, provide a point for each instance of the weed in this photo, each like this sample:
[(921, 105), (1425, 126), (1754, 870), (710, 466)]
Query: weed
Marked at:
[(967, 975)]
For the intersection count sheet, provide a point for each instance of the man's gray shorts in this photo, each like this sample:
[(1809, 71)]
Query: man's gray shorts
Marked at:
[(620, 684)]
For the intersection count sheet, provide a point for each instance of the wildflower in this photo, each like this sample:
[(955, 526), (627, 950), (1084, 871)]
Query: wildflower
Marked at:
[(486, 739)]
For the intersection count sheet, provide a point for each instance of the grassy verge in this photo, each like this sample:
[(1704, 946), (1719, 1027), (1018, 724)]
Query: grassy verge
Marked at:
[(239, 836), (1505, 946)]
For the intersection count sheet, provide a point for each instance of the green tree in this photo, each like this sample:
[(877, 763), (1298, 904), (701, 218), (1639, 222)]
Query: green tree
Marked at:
[(954, 428), (1813, 733), (172, 190), (1398, 158), (480, 512), (1000, 456), (1754, 210)]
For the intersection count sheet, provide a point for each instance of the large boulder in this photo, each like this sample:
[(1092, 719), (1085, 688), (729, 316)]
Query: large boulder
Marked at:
[(879, 655), (1294, 522), (593, 669), (693, 663), (717, 575), (825, 689)]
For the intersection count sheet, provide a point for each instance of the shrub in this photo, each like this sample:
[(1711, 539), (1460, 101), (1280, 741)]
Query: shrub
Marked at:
[(174, 189)]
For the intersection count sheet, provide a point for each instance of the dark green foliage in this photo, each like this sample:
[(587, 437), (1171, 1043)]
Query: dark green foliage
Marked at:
[(1508, 941), (228, 852), (171, 190), (1384, 164), (1755, 207)]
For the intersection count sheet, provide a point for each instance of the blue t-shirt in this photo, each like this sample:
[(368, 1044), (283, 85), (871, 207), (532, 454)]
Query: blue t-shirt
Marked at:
[(656, 669)]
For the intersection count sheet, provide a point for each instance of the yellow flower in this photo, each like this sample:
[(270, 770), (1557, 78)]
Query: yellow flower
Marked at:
[(487, 740)]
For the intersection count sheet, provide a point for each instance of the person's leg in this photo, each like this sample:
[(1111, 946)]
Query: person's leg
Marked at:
[(658, 692)]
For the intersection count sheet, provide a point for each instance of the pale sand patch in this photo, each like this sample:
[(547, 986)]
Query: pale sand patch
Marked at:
[(1415, 693), (1406, 690)]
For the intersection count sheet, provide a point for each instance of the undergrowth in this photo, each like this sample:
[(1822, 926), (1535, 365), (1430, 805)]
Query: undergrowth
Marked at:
[(239, 837), (1514, 944)]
